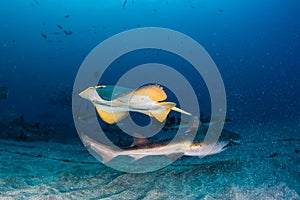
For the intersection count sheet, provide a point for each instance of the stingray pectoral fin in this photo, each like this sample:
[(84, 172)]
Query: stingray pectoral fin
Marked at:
[(110, 117), (154, 92), (162, 114)]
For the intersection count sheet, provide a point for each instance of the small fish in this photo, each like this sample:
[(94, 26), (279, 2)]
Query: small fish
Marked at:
[(124, 3), (44, 35), (68, 32), (56, 33), (3, 92), (146, 100), (144, 149), (67, 16), (59, 26)]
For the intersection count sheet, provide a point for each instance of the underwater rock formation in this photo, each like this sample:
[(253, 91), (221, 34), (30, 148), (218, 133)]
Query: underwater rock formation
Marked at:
[(19, 129)]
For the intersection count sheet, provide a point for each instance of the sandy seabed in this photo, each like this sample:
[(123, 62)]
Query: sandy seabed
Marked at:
[(266, 165)]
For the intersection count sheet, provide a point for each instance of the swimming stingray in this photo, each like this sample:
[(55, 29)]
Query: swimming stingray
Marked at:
[(147, 100)]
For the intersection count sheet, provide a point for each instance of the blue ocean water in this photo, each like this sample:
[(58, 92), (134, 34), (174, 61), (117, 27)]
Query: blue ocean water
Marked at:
[(255, 45)]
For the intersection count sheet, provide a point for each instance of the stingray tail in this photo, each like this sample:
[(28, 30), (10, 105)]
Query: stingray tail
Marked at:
[(181, 111)]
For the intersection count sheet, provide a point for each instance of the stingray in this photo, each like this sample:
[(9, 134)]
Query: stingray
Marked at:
[(149, 100)]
